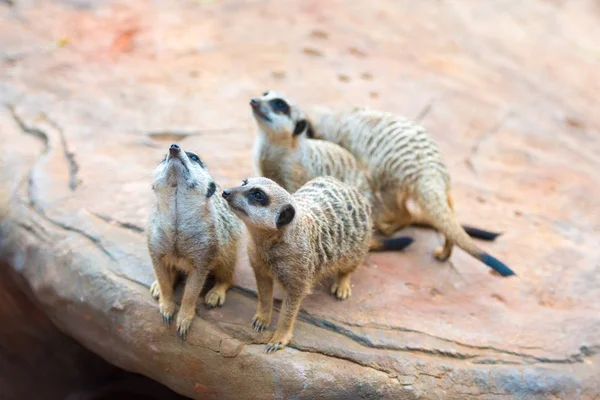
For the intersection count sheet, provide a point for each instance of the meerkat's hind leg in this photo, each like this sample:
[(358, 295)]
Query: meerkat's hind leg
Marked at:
[(341, 288), (187, 311), (393, 215), (223, 280), (444, 253)]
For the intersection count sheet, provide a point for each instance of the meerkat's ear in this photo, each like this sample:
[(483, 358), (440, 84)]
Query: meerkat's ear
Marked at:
[(300, 127), (286, 215), (310, 132), (212, 188)]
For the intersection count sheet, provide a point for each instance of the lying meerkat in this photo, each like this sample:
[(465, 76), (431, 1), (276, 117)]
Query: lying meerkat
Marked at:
[(322, 229), (282, 153), (190, 231), (404, 163)]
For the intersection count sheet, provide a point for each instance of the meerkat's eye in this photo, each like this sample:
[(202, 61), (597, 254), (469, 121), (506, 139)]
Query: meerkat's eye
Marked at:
[(194, 158), (280, 106), (244, 182), (259, 196)]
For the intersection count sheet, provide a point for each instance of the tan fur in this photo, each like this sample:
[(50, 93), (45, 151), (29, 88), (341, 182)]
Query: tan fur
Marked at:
[(291, 159), (404, 163), (190, 231), (328, 234)]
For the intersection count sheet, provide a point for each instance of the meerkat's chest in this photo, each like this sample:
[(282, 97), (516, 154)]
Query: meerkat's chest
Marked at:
[(181, 235)]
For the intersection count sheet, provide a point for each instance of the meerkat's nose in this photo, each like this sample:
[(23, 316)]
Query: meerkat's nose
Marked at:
[(174, 149), (226, 193), (254, 103)]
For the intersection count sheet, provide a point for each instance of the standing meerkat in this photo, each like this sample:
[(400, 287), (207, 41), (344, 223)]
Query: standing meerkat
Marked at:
[(287, 156), (191, 231), (322, 229), (404, 163)]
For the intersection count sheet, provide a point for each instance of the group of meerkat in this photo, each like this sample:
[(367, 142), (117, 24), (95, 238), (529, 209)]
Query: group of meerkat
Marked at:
[(332, 186)]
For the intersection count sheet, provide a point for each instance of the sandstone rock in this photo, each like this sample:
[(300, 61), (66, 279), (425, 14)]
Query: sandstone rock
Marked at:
[(94, 92)]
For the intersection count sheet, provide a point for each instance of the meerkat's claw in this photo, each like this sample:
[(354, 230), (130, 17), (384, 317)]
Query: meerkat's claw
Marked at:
[(167, 319), (167, 310), (183, 327), (273, 347), (259, 324), (155, 290)]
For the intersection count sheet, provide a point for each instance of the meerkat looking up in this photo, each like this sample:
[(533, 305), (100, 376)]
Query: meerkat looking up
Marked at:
[(404, 163), (191, 231), (322, 229), (283, 153)]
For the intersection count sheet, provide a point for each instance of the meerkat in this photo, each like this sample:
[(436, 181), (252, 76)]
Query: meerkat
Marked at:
[(283, 153), (297, 239), (190, 231), (404, 164)]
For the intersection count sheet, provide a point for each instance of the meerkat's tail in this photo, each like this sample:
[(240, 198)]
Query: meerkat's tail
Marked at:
[(394, 244), (475, 233), (434, 201), (481, 234)]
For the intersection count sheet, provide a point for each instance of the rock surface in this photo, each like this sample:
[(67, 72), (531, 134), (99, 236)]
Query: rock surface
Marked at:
[(93, 92)]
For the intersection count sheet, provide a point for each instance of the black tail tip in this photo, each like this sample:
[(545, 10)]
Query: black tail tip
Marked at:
[(496, 265), (395, 244), (480, 233)]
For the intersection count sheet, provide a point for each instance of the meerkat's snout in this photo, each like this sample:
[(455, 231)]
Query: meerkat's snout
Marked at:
[(260, 112), (174, 150)]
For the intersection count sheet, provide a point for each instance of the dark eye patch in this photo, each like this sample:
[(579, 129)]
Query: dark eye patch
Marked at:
[(258, 197), (194, 158), (280, 106)]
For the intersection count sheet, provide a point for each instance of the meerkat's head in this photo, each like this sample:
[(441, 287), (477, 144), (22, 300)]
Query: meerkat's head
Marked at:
[(279, 117), (261, 204), (183, 170)]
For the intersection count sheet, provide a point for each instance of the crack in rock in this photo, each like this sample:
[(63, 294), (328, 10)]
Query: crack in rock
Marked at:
[(38, 133), (303, 315), (584, 351), (69, 155), (120, 224)]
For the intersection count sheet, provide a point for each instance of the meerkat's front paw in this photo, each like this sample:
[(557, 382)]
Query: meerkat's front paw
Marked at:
[(215, 297), (341, 289), (167, 309), (260, 322), (155, 290), (277, 343), (184, 322)]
